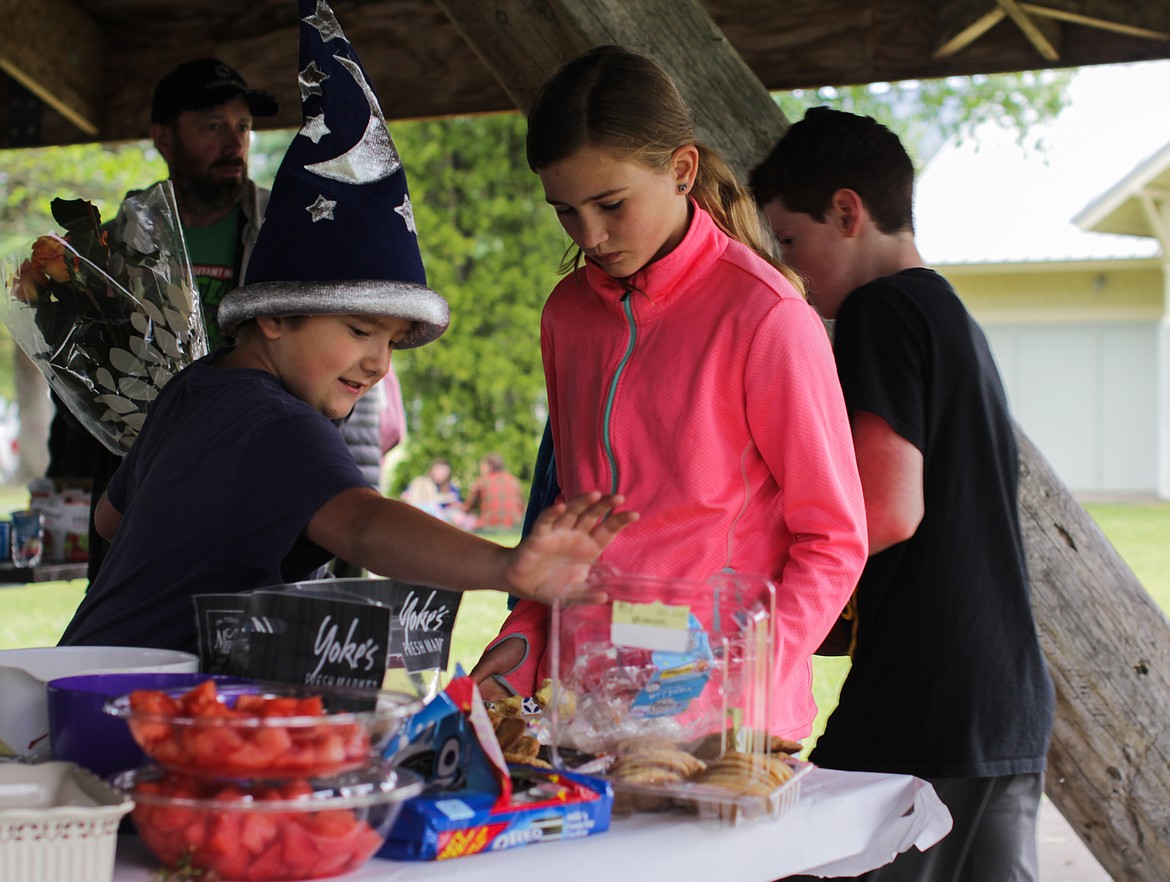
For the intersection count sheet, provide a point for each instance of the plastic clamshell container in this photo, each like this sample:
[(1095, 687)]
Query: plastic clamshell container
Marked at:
[(57, 822), (653, 687), (354, 727), (726, 806)]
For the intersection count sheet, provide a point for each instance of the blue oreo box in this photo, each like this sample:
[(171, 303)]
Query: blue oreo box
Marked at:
[(544, 806)]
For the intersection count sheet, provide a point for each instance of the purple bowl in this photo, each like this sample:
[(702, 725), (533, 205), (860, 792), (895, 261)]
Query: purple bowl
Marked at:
[(81, 732)]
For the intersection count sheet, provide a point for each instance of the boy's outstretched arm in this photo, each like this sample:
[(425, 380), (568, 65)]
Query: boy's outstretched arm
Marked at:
[(392, 538)]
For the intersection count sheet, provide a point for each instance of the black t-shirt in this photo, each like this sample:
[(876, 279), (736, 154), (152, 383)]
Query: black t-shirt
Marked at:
[(216, 494), (948, 678)]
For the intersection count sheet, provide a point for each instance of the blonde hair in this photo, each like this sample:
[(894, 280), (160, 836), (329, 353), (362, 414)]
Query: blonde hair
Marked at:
[(617, 99)]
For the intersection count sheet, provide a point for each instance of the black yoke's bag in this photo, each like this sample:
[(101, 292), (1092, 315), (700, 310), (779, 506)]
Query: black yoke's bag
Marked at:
[(365, 633)]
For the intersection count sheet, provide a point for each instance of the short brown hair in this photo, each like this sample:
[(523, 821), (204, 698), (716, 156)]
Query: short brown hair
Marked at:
[(830, 150)]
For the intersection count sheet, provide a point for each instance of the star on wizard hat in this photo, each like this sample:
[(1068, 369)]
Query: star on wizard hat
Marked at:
[(339, 233)]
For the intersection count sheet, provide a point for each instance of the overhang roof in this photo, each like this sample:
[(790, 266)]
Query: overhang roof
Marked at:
[(90, 65), (990, 198), (1133, 206)]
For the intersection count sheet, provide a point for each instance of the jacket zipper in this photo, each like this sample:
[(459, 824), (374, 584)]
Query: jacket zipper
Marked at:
[(607, 417)]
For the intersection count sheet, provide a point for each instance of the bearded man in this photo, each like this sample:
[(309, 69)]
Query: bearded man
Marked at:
[(201, 124)]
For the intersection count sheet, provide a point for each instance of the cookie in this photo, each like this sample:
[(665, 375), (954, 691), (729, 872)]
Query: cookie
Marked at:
[(657, 764), (642, 744), (742, 772), (509, 731), (517, 759)]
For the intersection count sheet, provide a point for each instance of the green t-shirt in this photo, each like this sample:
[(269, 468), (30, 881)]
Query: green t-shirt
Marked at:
[(215, 256)]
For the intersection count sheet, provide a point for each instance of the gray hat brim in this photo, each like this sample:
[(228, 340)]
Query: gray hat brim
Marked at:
[(405, 300)]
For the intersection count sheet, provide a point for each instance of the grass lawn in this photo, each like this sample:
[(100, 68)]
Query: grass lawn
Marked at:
[(35, 615)]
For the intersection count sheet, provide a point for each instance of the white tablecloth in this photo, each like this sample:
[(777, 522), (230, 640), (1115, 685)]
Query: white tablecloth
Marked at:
[(844, 823)]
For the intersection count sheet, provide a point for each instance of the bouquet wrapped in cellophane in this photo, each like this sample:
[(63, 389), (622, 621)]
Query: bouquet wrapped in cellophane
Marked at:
[(108, 316)]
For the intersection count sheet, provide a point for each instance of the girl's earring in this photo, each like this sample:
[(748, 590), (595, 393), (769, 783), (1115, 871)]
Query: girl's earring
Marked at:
[(682, 188)]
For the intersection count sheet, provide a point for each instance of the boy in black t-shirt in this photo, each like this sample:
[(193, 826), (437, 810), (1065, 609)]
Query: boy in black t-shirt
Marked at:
[(948, 680)]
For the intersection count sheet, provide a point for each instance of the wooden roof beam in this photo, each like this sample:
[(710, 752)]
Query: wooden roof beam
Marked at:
[(1100, 24), (1154, 208), (962, 22), (963, 25), (1042, 33), (64, 73)]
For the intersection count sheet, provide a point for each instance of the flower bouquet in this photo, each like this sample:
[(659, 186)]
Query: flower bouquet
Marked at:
[(108, 316)]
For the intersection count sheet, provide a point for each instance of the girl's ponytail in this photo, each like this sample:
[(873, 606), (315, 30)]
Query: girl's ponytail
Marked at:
[(721, 195)]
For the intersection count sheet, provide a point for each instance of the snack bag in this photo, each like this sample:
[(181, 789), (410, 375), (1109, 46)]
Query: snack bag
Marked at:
[(475, 800)]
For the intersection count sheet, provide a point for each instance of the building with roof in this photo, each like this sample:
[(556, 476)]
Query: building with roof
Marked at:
[(1058, 247)]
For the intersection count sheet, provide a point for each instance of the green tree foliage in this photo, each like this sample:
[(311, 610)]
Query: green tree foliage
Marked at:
[(29, 179), (925, 113), (98, 173), (491, 246)]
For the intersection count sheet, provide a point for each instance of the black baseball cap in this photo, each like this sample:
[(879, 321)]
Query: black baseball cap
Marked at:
[(202, 84)]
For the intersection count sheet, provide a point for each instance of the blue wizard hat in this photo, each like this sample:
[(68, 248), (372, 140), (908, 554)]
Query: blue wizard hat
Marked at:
[(339, 233)]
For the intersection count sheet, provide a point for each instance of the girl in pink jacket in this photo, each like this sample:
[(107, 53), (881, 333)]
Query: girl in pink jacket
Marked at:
[(686, 371)]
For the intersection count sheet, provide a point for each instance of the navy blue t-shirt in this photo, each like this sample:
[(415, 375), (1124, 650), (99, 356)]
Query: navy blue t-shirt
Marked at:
[(216, 494), (948, 678)]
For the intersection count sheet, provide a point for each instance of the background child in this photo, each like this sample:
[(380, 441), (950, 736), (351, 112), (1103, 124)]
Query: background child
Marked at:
[(436, 492), (240, 478), (495, 500), (946, 646), (685, 368)]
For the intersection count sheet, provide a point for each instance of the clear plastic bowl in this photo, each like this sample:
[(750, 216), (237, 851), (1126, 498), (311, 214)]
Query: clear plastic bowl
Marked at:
[(228, 742), (267, 829)]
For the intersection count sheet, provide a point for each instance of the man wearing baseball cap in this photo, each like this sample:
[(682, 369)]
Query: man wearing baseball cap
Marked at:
[(201, 124), (204, 83)]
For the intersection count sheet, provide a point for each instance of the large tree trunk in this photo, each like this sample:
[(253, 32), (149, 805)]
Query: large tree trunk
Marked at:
[(1107, 643), (1108, 648), (523, 43)]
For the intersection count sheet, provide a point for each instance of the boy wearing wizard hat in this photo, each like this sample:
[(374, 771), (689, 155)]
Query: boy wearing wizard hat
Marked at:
[(335, 285)]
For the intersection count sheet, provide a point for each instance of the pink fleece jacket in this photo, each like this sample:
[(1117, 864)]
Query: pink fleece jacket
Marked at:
[(703, 388)]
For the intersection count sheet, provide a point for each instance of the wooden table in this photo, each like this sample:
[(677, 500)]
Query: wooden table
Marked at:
[(844, 823), (45, 572)]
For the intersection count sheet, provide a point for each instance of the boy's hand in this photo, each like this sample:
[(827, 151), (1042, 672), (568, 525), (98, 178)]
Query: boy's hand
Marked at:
[(563, 544)]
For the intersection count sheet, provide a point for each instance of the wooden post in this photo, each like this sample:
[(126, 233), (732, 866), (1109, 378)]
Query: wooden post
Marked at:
[(522, 43), (1107, 643), (1108, 649)]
